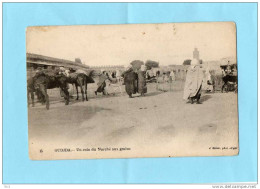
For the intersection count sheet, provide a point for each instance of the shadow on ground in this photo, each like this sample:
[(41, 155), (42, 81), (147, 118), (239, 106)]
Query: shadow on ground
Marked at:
[(205, 98), (154, 93)]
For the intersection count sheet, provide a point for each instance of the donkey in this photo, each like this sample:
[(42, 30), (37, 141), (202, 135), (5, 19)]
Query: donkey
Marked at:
[(81, 80)]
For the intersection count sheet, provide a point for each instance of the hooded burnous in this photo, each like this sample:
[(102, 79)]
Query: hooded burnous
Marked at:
[(193, 81)]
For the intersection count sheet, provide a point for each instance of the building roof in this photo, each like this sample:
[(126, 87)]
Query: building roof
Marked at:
[(46, 60)]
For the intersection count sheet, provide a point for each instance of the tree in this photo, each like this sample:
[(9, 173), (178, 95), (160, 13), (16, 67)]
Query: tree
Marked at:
[(77, 60), (151, 64), (187, 62), (136, 64)]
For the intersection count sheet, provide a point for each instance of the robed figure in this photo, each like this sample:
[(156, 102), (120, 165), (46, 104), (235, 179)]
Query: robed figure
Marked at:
[(193, 83), (102, 83), (130, 81), (141, 75)]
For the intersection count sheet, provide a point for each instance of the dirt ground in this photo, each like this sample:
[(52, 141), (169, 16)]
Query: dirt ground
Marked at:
[(160, 124)]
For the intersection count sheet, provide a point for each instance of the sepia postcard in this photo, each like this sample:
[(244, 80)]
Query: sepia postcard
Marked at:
[(132, 91)]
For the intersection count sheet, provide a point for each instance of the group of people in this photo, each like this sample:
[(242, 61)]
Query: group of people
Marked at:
[(135, 81), (230, 71), (151, 74)]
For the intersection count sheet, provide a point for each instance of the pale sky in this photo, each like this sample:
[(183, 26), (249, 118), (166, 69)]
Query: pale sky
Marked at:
[(120, 44)]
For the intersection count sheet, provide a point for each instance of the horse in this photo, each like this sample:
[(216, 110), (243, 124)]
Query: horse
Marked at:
[(81, 80), (43, 81), (229, 81)]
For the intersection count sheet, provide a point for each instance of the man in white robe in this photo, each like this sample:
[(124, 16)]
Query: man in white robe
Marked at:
[(193, 83)]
